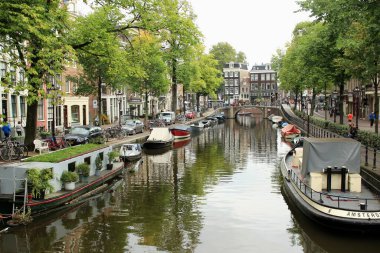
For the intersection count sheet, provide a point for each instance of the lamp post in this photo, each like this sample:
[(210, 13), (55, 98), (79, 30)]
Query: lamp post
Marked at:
[(356, 93), (119, 97)]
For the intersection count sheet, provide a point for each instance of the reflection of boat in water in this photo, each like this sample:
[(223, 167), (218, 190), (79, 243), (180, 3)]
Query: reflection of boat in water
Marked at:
[(130, 152), (159, 138), (180, 132), (181, 143), (323, 179), (134, 167)]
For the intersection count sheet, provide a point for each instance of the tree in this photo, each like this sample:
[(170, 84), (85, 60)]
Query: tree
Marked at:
[(179, 33), (241, 57), (33, 36), (223, 52), (103, 59), (148, 57)]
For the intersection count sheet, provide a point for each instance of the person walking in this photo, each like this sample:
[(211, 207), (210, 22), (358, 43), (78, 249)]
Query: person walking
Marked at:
[(372, 118), (6, 128), (19, 128), (349, 117)]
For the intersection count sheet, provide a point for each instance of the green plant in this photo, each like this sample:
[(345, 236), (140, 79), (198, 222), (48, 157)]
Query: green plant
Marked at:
[(98, 162), (83, 169), (39, 181), (69, 176), (111, 156)]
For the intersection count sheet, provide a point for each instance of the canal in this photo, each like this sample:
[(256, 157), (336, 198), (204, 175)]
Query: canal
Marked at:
[(220, 192)]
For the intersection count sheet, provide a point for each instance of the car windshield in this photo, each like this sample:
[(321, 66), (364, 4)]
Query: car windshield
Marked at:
[(129, 122), (166, 114), (79, 130)]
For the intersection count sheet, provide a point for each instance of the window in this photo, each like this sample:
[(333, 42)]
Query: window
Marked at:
[(268, 86), (3, 69), (236, 74), (21, 77), (75, 113), (236, 90), (273, 76), (226, 91), (14, 107), (22, 107), (262, 77), (50, 110), (255, 77), (268, 77), (67, 86), (13, 75), (236, 82), (40, 110), (58, 115), (226, 74)]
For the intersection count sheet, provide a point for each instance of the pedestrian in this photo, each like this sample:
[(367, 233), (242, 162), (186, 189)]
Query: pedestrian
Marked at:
[(372, 118), (349, 117), (6, 128), (19, 128)]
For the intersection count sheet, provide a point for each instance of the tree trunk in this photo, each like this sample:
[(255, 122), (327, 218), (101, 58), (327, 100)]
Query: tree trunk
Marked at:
[(100, 101), (313, 103), (31, 124), (146, 108), (341, 93), (174, 85), (376, 85), (198, 95)]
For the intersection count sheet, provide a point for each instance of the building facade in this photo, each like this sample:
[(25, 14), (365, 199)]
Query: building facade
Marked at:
[(235, 77), (263, 81)]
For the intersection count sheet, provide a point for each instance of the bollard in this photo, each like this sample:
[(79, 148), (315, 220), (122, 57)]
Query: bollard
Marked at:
[(329, 178), (366, 155), (343, 172)]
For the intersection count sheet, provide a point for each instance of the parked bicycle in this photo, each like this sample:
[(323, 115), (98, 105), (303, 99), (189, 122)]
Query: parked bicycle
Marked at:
[(12, 150), (57, 143)]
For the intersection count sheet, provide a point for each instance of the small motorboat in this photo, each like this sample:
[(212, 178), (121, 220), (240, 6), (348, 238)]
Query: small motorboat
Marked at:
[(159, 138), (130, 152), (276, 119), (197, 126), (290, 132), (180, 132)]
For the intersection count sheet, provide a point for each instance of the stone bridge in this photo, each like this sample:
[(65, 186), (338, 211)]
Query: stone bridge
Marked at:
[(231, 112)]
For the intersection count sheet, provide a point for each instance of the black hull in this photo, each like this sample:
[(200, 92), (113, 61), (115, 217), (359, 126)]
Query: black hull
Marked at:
[(157, 145)]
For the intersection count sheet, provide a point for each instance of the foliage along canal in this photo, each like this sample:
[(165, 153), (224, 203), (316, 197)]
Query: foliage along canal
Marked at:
[(221, 192)]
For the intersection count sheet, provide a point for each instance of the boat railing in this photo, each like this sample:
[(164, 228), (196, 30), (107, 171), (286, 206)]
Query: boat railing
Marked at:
[(17, 188), (333, 200)]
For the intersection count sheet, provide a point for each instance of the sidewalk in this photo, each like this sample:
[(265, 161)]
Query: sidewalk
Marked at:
[(363, 124)]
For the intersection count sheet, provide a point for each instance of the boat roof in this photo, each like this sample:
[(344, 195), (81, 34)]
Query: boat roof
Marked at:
[(319, 153), (160, 134), (181, 127)]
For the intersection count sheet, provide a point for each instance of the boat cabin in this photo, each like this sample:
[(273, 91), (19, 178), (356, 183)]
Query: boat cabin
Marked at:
[(329, 164)]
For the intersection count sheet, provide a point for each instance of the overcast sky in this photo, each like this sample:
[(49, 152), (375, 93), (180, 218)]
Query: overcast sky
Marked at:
[(255, 27)]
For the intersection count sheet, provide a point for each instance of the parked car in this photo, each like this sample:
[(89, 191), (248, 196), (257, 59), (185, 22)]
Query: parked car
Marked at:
[(190, 115), (82, 134), (168, 117), (133, 126)]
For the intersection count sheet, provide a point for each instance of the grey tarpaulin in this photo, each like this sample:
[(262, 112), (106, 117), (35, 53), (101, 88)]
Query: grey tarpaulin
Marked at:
[(318, 153)]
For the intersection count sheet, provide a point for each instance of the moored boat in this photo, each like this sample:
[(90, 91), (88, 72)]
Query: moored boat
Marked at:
[(160, 137), (180, 131), (323, 180), (290, 132), (130, 152), (197, 126)]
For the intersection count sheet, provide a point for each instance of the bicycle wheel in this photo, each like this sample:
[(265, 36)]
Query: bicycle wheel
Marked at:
[(24, 151), (5, 154), (16, 153)]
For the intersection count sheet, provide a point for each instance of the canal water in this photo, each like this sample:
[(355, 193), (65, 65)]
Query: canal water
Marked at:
[(219, 192)]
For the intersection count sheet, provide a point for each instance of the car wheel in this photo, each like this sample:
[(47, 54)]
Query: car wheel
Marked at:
[(86, 141)]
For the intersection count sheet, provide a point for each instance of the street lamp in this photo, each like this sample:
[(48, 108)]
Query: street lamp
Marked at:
[(119, 97), (356, 92)]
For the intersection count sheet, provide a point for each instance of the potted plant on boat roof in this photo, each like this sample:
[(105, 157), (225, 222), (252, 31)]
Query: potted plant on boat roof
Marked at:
[(69, 178), (98, 165), (83, 171), (111, 157), (39, 182)]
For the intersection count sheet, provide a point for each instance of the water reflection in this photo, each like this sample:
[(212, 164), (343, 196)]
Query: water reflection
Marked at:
[(219, 192)]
